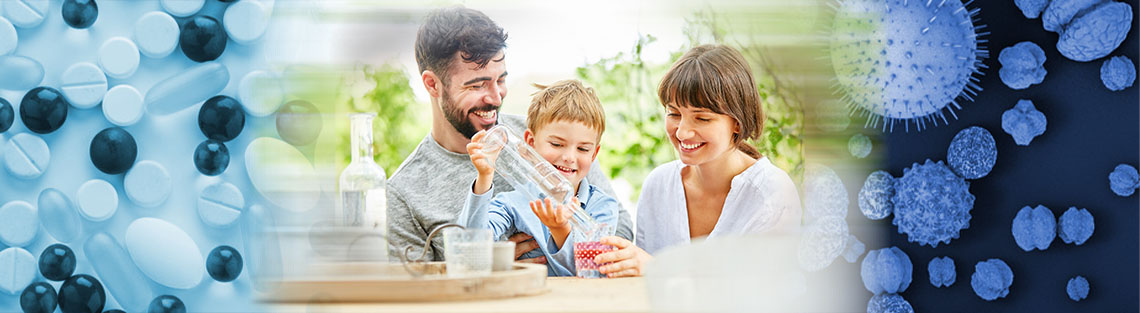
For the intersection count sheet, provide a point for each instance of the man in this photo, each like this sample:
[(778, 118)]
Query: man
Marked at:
[(463, 67)]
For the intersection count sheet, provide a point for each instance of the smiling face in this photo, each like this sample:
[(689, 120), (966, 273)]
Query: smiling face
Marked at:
[(473, 95), (570, 146), (698, 134)]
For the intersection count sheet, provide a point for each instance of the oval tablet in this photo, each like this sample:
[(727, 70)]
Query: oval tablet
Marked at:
[(121, 277), (165, 253), (58, 216), (119, 57), (17, 269), (123, 105), (20, 223), (84, 85), (26, 156), (26, 13), (156, 34), (20, 73), (147, 184), (97, 200), (9, 39), (219, 205), (187, 88), (182, 8)]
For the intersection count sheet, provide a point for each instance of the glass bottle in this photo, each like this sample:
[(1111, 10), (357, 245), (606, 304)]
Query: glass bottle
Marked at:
[(362, 193)]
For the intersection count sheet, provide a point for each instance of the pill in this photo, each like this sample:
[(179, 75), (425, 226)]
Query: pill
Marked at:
[(9, 39), (164, 253), (211, 157), (113, 150), (39, 297), (224, 263), (221, 118), (187, 88), (80, 14), (124, 280), (245, 21), (202, 39), (260, 93), (26, 13), (97, 200), (43, 110), (84, 85), (57, 262), (20, 73), (166, 304), (7, 115), (148, 184), (26, 156), (123, 105), (58, 216), (182, 8), (20, 223), (262, 250), (80, 294), (281, 174), (119, 57), (17, 269), (156, 34), (220, 205)]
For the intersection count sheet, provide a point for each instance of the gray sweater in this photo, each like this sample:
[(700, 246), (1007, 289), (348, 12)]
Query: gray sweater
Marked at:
[(431, 185)]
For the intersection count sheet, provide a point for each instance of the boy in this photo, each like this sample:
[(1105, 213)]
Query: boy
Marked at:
[(565, 122)]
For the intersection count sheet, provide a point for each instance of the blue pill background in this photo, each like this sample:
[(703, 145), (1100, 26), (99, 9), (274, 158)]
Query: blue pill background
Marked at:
[(169, 140)]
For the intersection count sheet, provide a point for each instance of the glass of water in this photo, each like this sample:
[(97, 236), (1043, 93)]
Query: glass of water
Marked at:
[(467, 252)]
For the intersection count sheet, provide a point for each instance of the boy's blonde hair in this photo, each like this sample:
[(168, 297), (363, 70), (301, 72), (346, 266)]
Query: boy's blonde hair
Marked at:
[(566, 100)]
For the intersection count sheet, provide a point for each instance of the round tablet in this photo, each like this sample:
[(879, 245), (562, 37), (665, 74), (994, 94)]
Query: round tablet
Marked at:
[(8, 37), (219, 205), (119, 57), (26, 156), (97, 200), (245, 21), (156, 34), (182, 8), (147, 184), (261, 93), (123, 105), (17, 269), (20, 223), (84, 85), (26, 13)]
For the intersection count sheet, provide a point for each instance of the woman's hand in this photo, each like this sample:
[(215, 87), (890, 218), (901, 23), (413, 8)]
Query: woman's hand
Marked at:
[(628, 260), (483, 165)]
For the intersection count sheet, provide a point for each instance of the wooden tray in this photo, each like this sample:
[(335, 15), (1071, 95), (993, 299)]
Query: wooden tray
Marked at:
[(389, 282)]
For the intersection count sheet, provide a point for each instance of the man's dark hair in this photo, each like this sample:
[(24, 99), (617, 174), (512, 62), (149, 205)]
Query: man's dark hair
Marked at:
[(457, 29)]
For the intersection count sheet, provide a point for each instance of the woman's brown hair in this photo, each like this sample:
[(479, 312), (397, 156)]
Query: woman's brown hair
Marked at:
[(717, 78)]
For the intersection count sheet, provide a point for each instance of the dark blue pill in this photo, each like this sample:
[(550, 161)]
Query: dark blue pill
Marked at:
[(81, 294), (114, 311), (80, 14), (57, 262), (221, 118), (166, 304), (38, 298), (224, 263), (7, 115), (202, 39), (298, 122), (43, 110), (211, 157), (113, 150)]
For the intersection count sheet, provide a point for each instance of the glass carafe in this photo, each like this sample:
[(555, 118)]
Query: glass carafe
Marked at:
[(362, 193)]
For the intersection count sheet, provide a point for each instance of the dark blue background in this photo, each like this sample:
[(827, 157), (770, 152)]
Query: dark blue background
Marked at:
[(1090, 131)]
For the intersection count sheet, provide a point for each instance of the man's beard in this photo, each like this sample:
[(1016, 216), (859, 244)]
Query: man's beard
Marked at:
[(458, 118)]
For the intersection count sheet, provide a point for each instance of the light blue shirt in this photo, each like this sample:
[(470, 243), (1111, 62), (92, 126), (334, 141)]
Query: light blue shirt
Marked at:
[(509, 212)]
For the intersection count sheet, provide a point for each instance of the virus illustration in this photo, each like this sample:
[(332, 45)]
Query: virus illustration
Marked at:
[(1034, 228), (1118, 73), (1022, 65), (875, 196), (991, 279), (824, 193), (905, 61), (1089, 29), (942, 271), (859, 146), (822, 242), (889, 303), (932, 204), (854, 249), (1075, 226), (886, 270), (1077, 288), (1124, 180), (972, 153), (1024, 122)]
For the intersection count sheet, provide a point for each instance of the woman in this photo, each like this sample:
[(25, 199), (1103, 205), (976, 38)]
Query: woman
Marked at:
[(721, 185)]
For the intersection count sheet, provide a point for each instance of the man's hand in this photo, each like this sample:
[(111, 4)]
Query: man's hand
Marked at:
[(483, 164), (525, 243)]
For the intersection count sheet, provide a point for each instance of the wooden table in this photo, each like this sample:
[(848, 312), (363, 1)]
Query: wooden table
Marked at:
[(567, 294)]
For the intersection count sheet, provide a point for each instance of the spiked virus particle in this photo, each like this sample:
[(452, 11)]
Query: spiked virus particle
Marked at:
[(972, 153), (886, 270), (1034, 228), (932, 204), (1022, 65), (1089, 29), (905, 61), (1031, 8), (1077, 288), (942, 271), (824, 193), (1124, 180), (859, 146), (854, 249), (875, 196), (822, 242), (1024, 122), (889, 303), (991, 279), (1075, 226), (1118, 73)]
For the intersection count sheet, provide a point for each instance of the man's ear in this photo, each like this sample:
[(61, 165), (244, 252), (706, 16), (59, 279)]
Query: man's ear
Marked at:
[(432, 83), (528, 136)]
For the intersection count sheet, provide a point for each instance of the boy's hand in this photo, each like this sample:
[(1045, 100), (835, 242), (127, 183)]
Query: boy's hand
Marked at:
[(482, 163), (555, 217)]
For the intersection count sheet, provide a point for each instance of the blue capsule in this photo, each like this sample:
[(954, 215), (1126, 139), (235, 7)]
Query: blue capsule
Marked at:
[(211, 157), (298, 122), (7, 115), (38, 298), (80, 14), (82, 294), (57, 262), (202, 39), (43, 110), (166, 304), (113, 150), (224, 263), (221, 118)]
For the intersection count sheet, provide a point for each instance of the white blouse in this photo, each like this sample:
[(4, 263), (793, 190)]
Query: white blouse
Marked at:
[(761, 199)]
